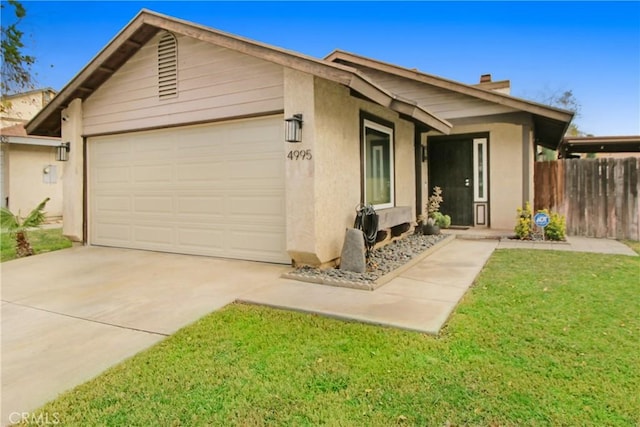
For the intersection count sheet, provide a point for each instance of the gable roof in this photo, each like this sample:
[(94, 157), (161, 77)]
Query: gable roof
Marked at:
[(147, 24), (551, 123)]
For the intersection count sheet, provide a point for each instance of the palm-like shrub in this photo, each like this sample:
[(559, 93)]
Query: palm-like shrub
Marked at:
[(17, 226)]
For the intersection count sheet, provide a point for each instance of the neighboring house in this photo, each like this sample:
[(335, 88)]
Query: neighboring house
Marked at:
[(28, 170), (618, 147), (19, 108), (177, 143)]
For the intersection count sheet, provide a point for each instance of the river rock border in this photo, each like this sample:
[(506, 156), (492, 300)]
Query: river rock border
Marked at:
[(385, 263)]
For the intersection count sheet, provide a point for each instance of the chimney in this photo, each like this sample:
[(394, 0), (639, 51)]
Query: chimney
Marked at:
[(485, 78)]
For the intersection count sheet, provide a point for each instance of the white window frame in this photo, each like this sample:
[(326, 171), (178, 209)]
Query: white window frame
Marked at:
[(368, 124), (482, 143)]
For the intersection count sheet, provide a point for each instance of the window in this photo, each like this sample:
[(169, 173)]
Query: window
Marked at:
[(167, 66), (378, 165), (480, 169)]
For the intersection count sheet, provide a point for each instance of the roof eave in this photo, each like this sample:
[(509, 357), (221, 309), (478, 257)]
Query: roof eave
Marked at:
[(421, 115), (65, 96), (487, 95), (147, 23), (602, 144)]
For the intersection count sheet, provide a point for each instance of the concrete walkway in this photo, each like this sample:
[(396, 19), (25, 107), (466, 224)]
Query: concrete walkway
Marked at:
[(573, 243), (420, 299)]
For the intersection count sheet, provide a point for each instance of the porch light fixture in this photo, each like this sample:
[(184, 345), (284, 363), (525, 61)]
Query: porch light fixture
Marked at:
[(293, 128), (62, 151)]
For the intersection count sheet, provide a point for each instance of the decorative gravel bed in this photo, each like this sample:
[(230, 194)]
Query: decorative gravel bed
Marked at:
[(381, 262)]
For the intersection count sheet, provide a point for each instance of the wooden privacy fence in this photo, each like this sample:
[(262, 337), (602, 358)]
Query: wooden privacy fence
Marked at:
[(599, 197)]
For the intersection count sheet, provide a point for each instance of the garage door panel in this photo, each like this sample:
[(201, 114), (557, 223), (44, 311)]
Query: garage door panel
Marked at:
[(213, 190), (113, 233), (159, 236), (257, 208), (247, 170), (251, 244), (156, 174), (113, 204), (112, 175), (197, 239), (211, 173), (156, 205), (210, 207), (113, 158)]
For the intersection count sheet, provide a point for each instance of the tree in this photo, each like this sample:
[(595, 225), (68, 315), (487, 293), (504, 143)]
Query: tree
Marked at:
[(15, 64), (566, 100), (563, 99), (18, 227)]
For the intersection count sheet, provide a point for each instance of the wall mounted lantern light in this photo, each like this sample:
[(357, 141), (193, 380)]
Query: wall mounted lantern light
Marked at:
[(62, 151), (293, 128)]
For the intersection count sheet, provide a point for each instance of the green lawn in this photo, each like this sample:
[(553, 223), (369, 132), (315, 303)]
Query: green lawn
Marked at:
[(633, 244), (43, 240), (543, 338)]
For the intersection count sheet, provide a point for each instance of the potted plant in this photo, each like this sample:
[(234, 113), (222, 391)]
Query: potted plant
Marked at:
[(430, 223), (442, 221)]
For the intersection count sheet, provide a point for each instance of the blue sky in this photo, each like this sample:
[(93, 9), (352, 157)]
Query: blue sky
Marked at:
[(591, 48)]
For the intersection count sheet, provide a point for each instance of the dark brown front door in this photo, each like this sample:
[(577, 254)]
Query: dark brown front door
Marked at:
[(451, 168)]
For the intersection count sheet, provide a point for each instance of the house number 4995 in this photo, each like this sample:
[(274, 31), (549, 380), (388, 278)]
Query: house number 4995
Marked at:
[(300, 154)]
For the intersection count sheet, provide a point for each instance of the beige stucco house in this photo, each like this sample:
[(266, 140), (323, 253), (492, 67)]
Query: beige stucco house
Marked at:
[(177, 143), (29, 172)]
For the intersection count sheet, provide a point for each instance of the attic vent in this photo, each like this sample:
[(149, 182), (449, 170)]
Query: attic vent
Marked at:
[(167, 67)]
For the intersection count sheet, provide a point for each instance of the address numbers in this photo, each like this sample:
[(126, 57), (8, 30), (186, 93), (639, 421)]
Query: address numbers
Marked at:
[(300, 154)]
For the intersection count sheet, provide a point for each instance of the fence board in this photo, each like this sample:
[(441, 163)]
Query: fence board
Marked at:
[(598, 197)]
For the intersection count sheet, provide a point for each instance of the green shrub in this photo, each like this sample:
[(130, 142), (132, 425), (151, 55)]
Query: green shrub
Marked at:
[(524, 224), (525, 227), (557, 228), (442, 221)]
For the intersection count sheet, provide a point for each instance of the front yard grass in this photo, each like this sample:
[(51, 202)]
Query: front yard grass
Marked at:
[(42, 240), (633, 244), (543, 338)]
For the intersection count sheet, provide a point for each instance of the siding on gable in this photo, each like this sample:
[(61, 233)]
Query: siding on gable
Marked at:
[(441, 102), (213, 83)]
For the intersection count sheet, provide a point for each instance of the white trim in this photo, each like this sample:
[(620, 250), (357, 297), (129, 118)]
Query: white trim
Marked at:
[(482, 143), (31, 140), (368, 124)]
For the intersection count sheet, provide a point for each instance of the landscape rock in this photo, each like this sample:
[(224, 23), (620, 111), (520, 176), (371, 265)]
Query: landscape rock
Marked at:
[(353, 257)]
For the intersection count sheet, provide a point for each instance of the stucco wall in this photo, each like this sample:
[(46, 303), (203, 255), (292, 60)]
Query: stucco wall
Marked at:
[(299, 175), (322, 194), (337, 173), (26, 183), (73, 184)]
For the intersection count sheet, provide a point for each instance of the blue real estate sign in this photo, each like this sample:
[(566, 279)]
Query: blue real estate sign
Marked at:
[(541, 219)]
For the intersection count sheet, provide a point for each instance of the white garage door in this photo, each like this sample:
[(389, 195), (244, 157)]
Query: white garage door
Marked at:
[(215, 189)]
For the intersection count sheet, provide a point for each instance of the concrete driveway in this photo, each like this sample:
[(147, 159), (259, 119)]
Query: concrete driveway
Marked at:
[(69, 315)]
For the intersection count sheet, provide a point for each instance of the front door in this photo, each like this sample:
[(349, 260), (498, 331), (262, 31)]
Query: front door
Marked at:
[(451, 169)]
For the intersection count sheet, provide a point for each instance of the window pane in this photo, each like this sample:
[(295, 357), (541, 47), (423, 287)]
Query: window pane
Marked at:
[(480, 176), (378, 167)]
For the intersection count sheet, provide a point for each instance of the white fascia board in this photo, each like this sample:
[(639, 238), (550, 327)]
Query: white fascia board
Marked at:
[(31, 140)]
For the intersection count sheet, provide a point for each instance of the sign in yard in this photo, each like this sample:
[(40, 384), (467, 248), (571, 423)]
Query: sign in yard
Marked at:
[(541, 219)]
